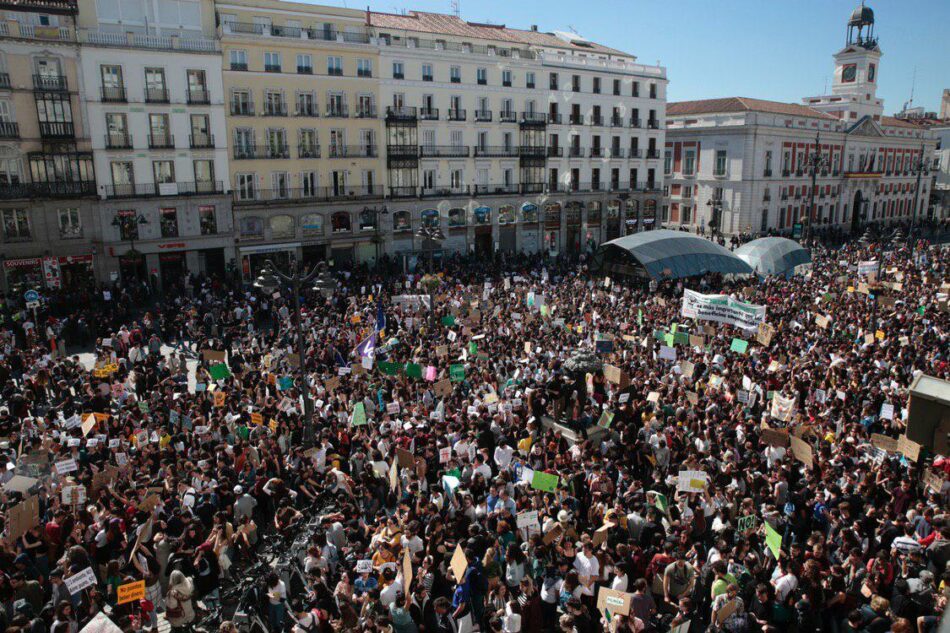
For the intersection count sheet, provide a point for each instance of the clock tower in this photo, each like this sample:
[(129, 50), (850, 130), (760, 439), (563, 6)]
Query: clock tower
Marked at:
[(854, 91)]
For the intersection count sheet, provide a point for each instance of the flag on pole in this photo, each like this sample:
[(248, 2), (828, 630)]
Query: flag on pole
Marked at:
[(368, 346)]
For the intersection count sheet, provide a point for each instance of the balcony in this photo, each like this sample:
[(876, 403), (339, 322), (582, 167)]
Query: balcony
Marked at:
[(50, 83), (428, 78), (304, 70), (533, 151), (337, 111), (114, 94), (57, 129), (201, 141), (719, 173), (443, 151), (238, 66), (653, 154), (118, 141), (596, 119), (483, 115), (246, 152), (636, 123), (495, 151), (597, 152), (507, 117), (535, 119), (161, 141), (274, 109), (617, 152), (532, 187), (554, 118), (156, 95), (308, 150), (334, 72), (429, 114), (399, 76), (555, 152), (352, 151), (309, 195), (799, 173), (9, 129), (575, 152), (457, 115), (576, 119), (27, 190), (402, 192), (114, 39), (402, 151), (199, 97), (307, 110), (444, 192), (147, 190), (653, 124), (242, 109), (496, 190), (482, 81), (616, 121), (271, 68), (4, 80), (636, 152), (365, 112)]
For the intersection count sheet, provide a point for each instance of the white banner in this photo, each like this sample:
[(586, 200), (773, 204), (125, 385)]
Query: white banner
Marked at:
[(80, 580), (869, 267), (783, 408), (722, 309)]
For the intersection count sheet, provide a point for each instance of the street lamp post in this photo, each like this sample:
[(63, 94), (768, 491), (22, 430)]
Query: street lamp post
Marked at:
[(128, 225), (430, 235), (715, 203), (269, 281), (920, 166), (815, 161), (377, 235)]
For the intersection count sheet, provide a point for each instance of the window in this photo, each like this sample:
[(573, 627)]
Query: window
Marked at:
[(272, 61), (155, 91), (207, 220), (244, 184), (123, 176), (252, 227), (364, 68), (308, 187), (668, 162), (197, 86), (552, 81), (204, 175), (768, 164), (274, 103), (456, 217), (529, 80), (616, 86), (242, 103), (481, 76), (764, 224), (112, 86), (596, 85), (427, 72), (430, 218), (340, 222), (686, 215), (455, 74), (282, 226), (312, 224), (163, 172), (16, 224), (506, 78), (576, 83), (689, 162), (168, 218), (128, 226), (306, 105), (720, 168), (871, 72), (238, 58), (70, 226), (335, 66), (398, 70), (304, 64), (635, 89)]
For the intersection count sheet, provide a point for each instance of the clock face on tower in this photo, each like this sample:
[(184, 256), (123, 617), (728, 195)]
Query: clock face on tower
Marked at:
[(848, 73)]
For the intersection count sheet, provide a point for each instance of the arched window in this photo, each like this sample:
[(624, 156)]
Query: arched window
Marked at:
[(649, 214), (632, 216), (482, 215), (574, 211), (529, 212), (613, 209), (594, 212), (430, 218), (312, 225), (341, 222), (368, 219), (281, 226), (252, 228), (456, 217), (552, 215), (402, 221), (506, 214)]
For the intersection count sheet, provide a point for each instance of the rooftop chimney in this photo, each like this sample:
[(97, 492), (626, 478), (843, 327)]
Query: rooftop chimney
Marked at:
[(534, 27)]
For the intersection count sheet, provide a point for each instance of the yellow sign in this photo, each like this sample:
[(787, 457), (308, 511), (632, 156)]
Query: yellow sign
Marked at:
[(257, 418), (219, 398), (879, 335), (130, 592), (273, 425)]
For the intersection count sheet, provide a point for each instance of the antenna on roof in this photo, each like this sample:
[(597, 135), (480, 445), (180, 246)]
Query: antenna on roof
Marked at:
[(913, 84), (571, 28), (456, 8), (825, 89)]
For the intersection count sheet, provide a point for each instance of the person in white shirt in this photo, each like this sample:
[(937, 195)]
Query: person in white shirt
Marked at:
[(785, 581), (588, 568)]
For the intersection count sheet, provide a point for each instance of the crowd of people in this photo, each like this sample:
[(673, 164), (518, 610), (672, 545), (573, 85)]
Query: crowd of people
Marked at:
[(493, 446)]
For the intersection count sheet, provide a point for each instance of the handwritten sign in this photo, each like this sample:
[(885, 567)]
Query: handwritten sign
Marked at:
[(130, 592), (80, 580), (691, 481)]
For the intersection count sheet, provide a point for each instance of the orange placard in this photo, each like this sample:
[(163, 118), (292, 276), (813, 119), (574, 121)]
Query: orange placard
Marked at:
[(130, 592)]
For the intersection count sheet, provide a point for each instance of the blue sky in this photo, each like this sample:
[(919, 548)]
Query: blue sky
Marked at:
[(767, 49)]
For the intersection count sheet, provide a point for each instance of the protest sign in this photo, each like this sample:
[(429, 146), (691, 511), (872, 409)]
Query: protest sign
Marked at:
[(23, 517), (544, 481), (783, 408), (764, 334), (212, 356), (130, 592), (691, 481), (801, 450), (358, 418), (746, 523), (219, 371), (80, 580), (458, 564), (775, 437), (739, 346), (722, 309), (66, 466), (884, 442), (527, 519), (614, 601), (773, 541)]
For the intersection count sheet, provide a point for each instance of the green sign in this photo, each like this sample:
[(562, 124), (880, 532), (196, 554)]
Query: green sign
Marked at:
[(359, 415), (746, 523), (606, 419), (456, 373), (448, 320), (414, 370), (773, 540), (544, 481), (143, 406), (472, 348), (285, 382), (219, 371), (390, 369), (739, 345)]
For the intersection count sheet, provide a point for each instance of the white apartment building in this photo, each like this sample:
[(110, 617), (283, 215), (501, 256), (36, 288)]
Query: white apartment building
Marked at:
[(746, 165), (154, 103), (515, 140)]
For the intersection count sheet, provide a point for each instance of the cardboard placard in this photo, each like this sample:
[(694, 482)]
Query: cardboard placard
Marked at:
[(613, 374), (725, 611), (21, 484), (687, 368), (908, 448), (405, 458), (406, 571), (130, 592), (691, 481), (459, 564), (775, 437), (443, 388), (212, 356), (23, 516), (553, 534), (884, 442), (802, 451), (332, 384), (614, 601)]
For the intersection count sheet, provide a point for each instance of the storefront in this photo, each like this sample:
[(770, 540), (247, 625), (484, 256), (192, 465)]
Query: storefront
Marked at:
[(172, 269), (23, 274), (614, 210), (529, 228), (72, 272), (253, 258), (481, 217)]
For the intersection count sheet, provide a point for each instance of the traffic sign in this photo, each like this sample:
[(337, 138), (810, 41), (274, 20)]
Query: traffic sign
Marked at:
[(31, 295)]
